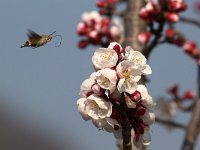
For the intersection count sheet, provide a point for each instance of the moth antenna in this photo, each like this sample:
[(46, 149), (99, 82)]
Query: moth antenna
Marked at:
[(52, 33), (57, 45)]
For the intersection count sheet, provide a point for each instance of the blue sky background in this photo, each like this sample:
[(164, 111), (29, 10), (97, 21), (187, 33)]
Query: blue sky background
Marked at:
[(41, 85)]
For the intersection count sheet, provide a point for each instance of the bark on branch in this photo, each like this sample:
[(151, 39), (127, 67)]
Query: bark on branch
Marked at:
[(171, 123), (190, 21), (133, 25), (193, 127)]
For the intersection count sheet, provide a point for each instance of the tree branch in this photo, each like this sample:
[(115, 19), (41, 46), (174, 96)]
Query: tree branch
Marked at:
[(170, 123), (158, 34), (125, 123), (193, 127), (190, 21), (133, 24)]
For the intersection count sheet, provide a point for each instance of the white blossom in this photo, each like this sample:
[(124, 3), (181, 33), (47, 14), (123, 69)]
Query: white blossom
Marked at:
[(94, 107), (128, 77), (148, 117), (146, 98), (108, 124), (86, 87), (138, 60), (107, 79), (104, 58), (166, 109), (144, 139), (81, 108), (97, 107)]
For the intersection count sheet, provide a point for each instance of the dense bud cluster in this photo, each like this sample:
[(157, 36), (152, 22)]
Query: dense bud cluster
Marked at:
[(115, 82), (156, 10), (189, 47), (106, 6), (98, 30)]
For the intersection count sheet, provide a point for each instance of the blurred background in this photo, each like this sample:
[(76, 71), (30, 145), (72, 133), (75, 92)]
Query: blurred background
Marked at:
[(39, 87)]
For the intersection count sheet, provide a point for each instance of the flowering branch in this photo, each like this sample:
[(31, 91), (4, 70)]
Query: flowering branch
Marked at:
[(171, 123), (193, 127), (190, 21)]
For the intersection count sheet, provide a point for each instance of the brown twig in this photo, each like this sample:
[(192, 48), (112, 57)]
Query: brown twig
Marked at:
[(158, 34), (193, 127), (125, 124), (133, 25), (171, 123), (190, 21)]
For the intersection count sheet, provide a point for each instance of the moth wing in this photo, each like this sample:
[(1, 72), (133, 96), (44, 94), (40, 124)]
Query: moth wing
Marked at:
[(33, 36)]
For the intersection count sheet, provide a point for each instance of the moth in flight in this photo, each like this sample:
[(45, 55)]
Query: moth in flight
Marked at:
[(35, 40)]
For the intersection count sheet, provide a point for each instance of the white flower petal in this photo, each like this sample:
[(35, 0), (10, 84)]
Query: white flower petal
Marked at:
[(107, 79), (148, 117), (104, 58), (127, 86), (86, 87), (146, 139), (81, 108), (97, 107), (147, 70)]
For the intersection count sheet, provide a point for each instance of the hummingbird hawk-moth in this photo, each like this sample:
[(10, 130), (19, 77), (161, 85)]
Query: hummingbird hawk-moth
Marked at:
[(35, 40)]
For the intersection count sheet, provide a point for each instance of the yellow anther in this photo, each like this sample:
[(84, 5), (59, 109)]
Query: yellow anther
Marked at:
[(106, 56), (126, 74)]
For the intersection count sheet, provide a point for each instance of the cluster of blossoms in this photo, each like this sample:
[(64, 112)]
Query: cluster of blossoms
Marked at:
[(115, 82), (156, 10), (98, 30), (159, 11), (106, 6), (189, 47)]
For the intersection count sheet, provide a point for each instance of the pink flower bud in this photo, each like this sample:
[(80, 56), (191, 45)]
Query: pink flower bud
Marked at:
[(95, 37), (177, 5), (117, 47), (140, 111), (190, 47), (197, 6), (144, 13), (100, 4), (105, 22), (81, 28), (144, 37), (188, 94), (83, 44), (96, 88), (198, 61), (115, 32), (179, 41), (174, 90), (151, 8), (170, 33), (136, 96), (171, 17)]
